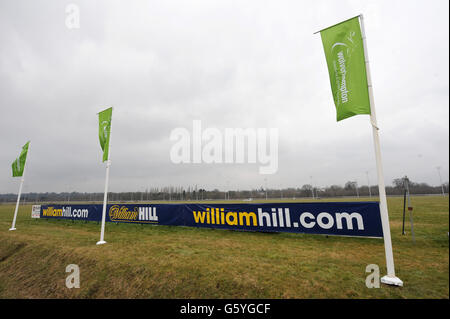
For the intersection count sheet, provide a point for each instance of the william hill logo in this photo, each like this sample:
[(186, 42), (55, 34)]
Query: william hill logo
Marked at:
[(119, 213), (52, 212)]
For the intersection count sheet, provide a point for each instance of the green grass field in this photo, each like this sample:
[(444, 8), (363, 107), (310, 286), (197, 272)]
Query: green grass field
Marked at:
[(142, 261)]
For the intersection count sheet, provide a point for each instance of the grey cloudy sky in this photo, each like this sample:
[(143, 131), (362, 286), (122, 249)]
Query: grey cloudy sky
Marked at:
[(236, 64)]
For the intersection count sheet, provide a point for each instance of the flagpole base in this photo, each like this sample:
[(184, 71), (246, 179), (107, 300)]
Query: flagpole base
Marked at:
[(101, 242), (393, 281), (12, 228)]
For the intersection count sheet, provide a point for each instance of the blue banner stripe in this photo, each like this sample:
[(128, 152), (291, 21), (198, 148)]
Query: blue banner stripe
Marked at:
[(338, 218)]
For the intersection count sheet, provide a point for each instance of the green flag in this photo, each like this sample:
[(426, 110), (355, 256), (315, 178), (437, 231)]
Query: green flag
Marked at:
[(104, 131), (344, 51), (19, 164)]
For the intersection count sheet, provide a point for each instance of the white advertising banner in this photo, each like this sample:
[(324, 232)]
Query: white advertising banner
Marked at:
[(36, 211)]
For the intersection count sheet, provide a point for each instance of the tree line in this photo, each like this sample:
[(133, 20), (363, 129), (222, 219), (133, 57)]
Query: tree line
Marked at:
[(172, 193)]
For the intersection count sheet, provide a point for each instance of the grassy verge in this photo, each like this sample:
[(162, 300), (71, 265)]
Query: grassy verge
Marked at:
[(143, 261)]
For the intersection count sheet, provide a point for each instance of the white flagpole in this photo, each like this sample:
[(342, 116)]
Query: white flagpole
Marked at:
[(13, 227), (105, 197), (390, 278)]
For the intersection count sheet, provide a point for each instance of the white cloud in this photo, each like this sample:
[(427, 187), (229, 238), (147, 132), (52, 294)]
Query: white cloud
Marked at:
[(229, 64)]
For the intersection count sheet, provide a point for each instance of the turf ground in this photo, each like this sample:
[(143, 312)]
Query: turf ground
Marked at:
[(142, 261)]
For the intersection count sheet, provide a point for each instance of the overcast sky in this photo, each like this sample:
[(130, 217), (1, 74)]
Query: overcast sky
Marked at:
[(230, 64)]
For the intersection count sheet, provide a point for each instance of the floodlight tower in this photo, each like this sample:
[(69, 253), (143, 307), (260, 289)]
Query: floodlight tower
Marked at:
[(440, 180), (368, 183), (265, 181), (312, 187)]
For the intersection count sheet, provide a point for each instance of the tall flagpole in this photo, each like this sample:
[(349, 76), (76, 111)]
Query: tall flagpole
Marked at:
[(390, 278), (13, 227), (105, 197)]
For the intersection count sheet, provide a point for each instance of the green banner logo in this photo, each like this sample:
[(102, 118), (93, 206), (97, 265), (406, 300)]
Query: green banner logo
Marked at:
[(344, 52), (104, 131), (19, 164)]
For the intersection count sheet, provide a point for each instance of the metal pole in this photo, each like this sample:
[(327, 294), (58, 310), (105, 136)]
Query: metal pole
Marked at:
[(404, 209), (105, 198), (390, 279), (410, 211), (13, 227)]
